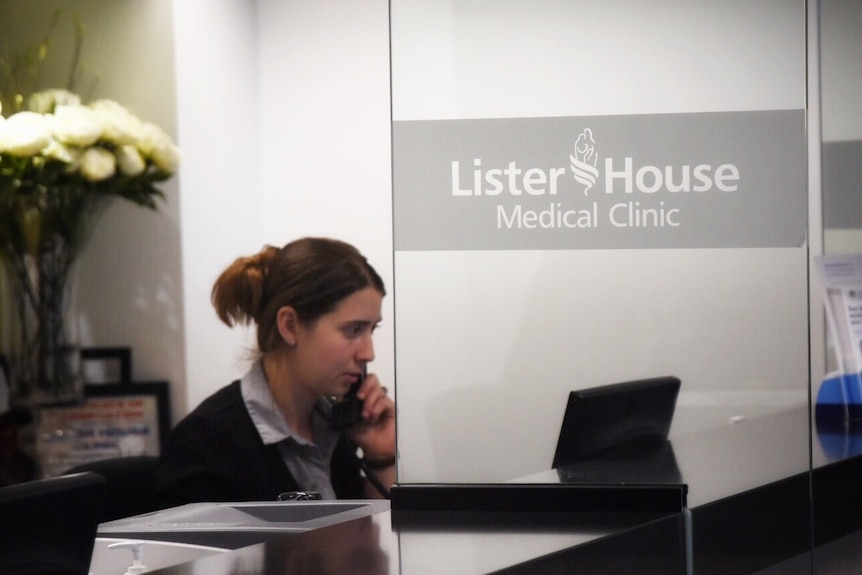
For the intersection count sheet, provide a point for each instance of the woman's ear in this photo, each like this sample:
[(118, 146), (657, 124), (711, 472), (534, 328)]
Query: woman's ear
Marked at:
[(288, 325)]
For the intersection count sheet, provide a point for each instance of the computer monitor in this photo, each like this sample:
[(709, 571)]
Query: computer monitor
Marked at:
[(49, 525), (631, 415)]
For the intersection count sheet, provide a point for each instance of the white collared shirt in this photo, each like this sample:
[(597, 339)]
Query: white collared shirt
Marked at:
[(308, 462)]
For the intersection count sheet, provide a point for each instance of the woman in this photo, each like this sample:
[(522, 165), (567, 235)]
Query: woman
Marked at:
[(316, 303)]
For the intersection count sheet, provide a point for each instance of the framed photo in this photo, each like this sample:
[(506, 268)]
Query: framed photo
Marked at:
[(106, 364), (115, 419)]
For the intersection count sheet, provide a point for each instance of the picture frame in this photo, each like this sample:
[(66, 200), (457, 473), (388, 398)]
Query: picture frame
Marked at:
[(154, 394), (114, 420), (106, 364)]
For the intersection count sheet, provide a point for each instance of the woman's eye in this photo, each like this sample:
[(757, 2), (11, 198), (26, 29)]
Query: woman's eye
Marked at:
[(359, 329), (354, 330)]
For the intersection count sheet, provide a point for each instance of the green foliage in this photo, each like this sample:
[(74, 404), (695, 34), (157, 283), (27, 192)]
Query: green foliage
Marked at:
[(21, 71)]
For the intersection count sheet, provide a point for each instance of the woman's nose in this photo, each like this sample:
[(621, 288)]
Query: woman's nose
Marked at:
[(366, 352)]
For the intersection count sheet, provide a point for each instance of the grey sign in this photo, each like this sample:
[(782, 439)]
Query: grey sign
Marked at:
[(701, 180)]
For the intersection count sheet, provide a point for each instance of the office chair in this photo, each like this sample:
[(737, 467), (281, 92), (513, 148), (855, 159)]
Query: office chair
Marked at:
[(130, 484), (48, 526)]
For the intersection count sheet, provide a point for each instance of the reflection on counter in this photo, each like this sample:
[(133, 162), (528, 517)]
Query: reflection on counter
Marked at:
[(649, 464), (351, 548)]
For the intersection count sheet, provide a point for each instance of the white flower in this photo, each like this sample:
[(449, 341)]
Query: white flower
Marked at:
[(25, 134), (45, 101), (76, 125), (129, 160), (166, 157), (120, 126), (160, 148), (61, 152), (97, 164)]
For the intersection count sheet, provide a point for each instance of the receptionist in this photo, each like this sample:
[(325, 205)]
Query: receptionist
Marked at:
[(315, 303)]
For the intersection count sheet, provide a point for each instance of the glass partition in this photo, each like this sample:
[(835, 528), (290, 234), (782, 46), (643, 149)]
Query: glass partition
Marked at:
[(520, 278), (587, 194), (837, 435)]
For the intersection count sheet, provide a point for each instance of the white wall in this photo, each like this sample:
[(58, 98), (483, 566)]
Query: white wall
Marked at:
[(221, 201), (284, 122), (324, 101)]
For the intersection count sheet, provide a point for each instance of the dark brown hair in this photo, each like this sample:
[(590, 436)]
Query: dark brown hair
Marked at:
[(312, 275)]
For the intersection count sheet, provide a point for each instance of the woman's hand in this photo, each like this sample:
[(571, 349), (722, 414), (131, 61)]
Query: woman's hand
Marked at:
[(375, 434)]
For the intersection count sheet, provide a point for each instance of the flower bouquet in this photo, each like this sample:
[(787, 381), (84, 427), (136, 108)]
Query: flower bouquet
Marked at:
[(61, 163)]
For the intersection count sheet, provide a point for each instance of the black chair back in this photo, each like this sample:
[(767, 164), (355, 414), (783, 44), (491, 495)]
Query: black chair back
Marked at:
[(130, 484), (48, 526)]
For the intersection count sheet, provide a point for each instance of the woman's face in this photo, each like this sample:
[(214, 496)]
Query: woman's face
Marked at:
[(332, 352)]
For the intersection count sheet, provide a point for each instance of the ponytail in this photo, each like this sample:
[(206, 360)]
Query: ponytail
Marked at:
[(238, 292), (312, 275)]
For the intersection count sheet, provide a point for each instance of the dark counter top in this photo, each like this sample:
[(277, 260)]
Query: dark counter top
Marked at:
[(748, 486), (458, 544)]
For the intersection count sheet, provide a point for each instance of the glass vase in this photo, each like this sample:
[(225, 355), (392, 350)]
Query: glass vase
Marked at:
[(45, 353), (46, 361), (43, 230)]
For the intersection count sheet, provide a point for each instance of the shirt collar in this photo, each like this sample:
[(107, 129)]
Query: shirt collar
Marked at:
[(267, 418)]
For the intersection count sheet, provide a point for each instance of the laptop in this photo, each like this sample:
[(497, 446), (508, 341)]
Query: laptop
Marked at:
[(618, 424)]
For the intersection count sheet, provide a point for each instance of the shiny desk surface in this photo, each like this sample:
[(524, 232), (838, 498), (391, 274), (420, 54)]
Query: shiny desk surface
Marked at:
[(715, 463), (372, 546)]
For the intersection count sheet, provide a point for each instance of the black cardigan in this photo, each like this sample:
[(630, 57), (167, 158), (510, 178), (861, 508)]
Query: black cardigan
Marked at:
[(216, 454)]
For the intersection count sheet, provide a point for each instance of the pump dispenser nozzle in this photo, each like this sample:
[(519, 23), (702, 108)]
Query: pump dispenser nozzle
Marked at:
[(137, 548)]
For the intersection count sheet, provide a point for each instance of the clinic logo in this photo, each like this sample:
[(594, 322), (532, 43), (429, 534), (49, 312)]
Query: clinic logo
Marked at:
[(618, 175), (583, 161), (711, 179)]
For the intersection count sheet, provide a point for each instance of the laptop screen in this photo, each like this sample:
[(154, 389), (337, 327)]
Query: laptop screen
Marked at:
[(631, 413)]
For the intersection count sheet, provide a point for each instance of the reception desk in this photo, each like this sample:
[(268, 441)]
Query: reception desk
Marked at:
[(718, 519)]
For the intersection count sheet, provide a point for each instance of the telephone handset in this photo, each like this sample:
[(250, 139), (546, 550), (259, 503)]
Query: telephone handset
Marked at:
[(348, 411)]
